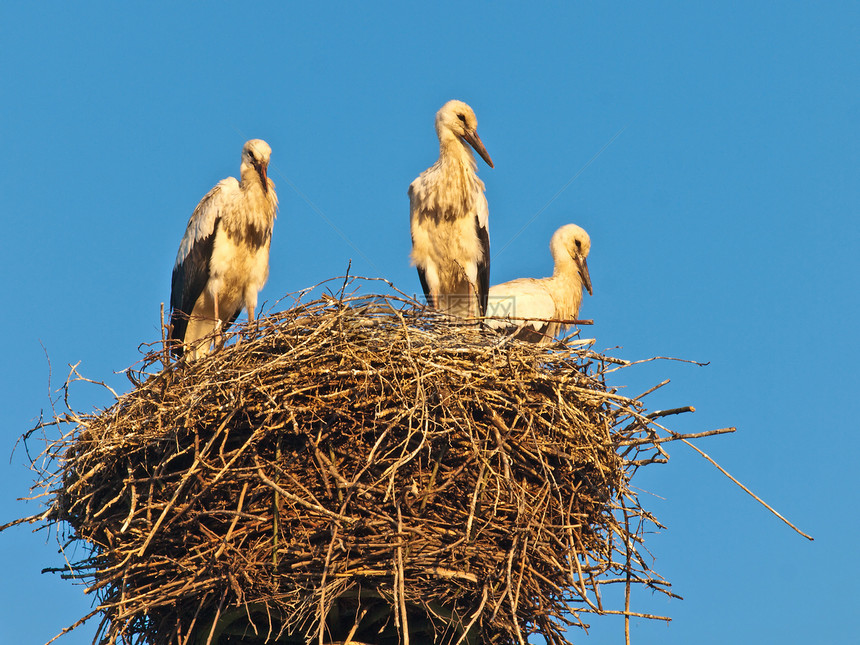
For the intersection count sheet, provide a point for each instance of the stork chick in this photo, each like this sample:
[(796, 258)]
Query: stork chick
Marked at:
[(449, 216), (533, 307), (223, 259)]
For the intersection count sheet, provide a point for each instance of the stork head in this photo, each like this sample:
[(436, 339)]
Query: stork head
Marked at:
[(572, 241), (255, 155), (459, 119)]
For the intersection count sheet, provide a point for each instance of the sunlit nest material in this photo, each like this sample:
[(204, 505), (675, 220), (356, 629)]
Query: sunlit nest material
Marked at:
[(358, 460)]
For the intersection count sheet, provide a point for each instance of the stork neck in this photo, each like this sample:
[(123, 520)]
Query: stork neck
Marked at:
[(261, 195), (453, 149), (566, 290), (250, 177), (564, 265)]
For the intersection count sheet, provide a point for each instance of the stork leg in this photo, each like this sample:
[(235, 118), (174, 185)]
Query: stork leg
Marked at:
[(472, 295), (249, 307), (219, 338)]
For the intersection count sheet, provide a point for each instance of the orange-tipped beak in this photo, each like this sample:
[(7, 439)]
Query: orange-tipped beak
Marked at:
[(262, 170), (474, 140), (583, 272)]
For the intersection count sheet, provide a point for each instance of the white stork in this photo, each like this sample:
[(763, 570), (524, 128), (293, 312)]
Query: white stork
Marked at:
[(449, 218), (532, 306), (223, 259)]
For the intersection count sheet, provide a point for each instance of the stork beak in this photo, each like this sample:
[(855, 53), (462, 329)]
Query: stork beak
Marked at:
[(262, 171), (474, 140), (583, 272)]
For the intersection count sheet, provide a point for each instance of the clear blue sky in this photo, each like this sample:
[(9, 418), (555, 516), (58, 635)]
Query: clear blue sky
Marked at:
[(724, 225)]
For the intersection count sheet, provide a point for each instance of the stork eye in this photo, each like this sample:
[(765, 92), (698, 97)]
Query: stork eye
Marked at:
[(578, 244), (462, 118)]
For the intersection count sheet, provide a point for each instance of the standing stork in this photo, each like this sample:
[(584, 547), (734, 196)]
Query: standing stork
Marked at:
[(534, 307), (223, 259), (449, 218)]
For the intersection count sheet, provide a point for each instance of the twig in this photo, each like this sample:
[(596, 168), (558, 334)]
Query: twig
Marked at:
[(747, 490)]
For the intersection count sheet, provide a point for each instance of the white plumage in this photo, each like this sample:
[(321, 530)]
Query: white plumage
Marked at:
[(449, 218), (223, 259), (533, 307)]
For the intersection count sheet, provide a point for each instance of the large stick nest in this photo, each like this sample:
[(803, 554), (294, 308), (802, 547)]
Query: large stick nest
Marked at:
[(359, 465)]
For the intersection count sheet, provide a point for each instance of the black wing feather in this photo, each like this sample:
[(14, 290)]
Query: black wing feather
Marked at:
[(232, 319), (483, 267), (187, 283), (424, 286), (532, 333), (421, 274)]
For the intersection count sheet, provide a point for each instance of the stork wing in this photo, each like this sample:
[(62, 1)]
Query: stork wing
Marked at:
[(414, 228), (522, 302), (425, 286), (191, 271), (482, 227)]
